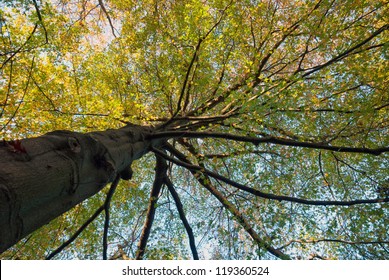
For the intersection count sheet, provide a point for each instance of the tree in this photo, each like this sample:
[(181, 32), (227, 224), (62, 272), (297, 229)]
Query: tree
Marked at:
[(253, 129)]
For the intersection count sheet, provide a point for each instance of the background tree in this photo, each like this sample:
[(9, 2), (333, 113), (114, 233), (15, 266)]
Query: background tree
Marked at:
[(272, 119)]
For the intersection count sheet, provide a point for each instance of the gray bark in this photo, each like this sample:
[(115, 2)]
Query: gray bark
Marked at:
[(43, 177)]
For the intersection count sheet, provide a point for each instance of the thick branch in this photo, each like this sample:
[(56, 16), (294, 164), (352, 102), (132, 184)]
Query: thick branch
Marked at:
[(269, 139), (181, 212), (205, 182), (160, 171), (106, 210), (258, 193)]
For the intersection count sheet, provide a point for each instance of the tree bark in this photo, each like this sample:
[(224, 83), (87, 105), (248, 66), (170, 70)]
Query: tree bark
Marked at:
[(43, 177)]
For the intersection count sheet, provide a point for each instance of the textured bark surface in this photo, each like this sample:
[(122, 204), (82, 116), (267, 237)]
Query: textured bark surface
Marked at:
[(43, 177)]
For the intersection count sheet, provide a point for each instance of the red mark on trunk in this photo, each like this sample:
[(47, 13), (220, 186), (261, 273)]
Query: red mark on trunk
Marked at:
[(15, 146)]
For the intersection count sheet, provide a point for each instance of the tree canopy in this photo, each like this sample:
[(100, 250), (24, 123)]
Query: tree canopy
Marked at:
[(275, 116)]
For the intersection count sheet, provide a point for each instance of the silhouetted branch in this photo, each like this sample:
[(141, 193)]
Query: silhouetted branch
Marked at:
[(263, 194), (108, 17), (41, 20), (183, 90), (21, 47), (269, 139), (189, 70), (205, 182), (106, 210), (8, 91), (160, 172), (237, 153), (347, 52), (24, 94), (76, 234), (87, 223), (181, 212)]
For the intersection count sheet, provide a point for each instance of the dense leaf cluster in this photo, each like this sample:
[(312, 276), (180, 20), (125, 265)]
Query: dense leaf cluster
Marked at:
[(275, 116)]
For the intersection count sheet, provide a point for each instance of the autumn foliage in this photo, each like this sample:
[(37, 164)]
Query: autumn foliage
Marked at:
[(271, 118)]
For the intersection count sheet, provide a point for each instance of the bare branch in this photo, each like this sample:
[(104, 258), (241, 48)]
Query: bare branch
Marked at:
[(108, 17), (181, 212), (347, 52), (184, 86), (10, 80), (237, 153), (160, 172), (24, 94), (230, 207), (76, 234), (270, 139), (41, 20), (106, 210), (194, 58), (14, 53), (258, 193), (86, 224)]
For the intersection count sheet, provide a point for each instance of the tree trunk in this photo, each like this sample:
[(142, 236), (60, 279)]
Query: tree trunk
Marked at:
[(43, 177)]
